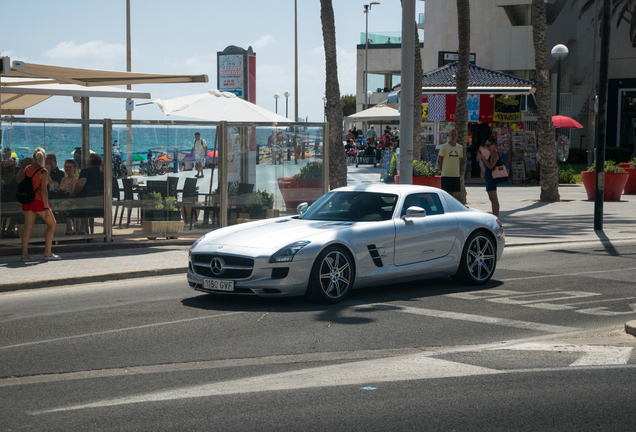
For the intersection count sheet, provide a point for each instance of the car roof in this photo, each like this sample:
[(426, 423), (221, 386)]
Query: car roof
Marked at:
[(388, 188)]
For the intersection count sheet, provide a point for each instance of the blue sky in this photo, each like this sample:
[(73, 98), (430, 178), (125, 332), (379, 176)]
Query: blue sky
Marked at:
[(183, 37)]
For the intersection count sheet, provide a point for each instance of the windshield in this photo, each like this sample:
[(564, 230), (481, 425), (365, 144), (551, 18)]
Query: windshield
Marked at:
[(352, 207)]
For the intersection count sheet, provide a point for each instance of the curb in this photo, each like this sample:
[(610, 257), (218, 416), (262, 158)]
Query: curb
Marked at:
[(102, 277), (630, 327)]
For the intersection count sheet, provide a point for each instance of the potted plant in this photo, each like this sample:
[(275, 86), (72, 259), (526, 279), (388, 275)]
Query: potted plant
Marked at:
[(153, 207), (424, 174), (306, 186), (630, 186), (615, 180), (255, 206), (161, 216)]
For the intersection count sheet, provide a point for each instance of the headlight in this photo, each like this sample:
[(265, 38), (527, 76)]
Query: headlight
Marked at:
[(287, 253), (194, 245)]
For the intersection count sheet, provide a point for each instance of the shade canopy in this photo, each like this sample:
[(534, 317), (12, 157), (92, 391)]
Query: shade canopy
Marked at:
[(218, 106), (18, 94), (566, 122), (376, 113), (93, 77)]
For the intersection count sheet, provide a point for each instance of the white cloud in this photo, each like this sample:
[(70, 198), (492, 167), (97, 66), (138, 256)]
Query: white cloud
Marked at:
[(204, 63), (93, 49), (264, 41)]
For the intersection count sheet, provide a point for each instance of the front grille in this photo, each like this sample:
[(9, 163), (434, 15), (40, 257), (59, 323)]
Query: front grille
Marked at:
[(235, 267)]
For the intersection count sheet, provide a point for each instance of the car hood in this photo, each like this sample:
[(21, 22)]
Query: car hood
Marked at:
[(271, 233)]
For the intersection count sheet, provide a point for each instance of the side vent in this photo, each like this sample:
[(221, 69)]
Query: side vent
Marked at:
[(375, 255)]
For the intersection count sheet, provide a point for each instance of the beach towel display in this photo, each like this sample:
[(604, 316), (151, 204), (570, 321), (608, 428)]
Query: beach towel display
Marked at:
[(507, 109), (486, 107), (424, 107), (437, 107), (451, 107), (473, 108)]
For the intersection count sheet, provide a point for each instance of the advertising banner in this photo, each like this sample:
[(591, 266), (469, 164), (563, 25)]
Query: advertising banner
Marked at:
[(231, 74)]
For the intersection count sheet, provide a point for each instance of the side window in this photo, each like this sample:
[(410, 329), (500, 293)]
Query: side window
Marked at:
[(428, 201)]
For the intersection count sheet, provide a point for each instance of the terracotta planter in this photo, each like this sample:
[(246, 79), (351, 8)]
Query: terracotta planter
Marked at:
[(296, 192), (435, 182), (614, 185), (626, 165), (630, 186)]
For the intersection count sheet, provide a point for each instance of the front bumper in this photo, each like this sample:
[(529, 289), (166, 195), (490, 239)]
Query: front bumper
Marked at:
[(264, 280)]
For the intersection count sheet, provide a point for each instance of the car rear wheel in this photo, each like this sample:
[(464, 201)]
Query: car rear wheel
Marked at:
[(479, 260), (331, 276)]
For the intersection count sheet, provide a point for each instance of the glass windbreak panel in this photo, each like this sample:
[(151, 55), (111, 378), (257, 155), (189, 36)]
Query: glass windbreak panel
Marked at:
[(74, 194), (271, 170), (163, 183)]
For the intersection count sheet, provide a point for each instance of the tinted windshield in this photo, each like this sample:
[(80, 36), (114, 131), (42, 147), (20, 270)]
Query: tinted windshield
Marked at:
[(352, 207)]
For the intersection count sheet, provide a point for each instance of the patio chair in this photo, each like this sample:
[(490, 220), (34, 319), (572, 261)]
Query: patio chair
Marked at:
[(117, 202), (172, 186), (160, 186), (129, 202)]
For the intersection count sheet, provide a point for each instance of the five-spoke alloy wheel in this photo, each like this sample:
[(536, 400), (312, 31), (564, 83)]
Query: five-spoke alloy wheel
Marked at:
[(331, 276), (479, 259)]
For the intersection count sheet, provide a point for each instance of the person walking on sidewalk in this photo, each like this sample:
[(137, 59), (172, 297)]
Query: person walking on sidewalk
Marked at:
[(39, 206), (489, 163), (448, 160), (200, 150)]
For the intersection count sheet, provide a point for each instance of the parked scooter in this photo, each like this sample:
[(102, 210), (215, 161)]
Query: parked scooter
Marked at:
[(119, 168)]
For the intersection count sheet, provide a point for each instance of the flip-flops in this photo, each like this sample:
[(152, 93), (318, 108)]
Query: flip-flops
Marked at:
[(29, 259), (53, 257)]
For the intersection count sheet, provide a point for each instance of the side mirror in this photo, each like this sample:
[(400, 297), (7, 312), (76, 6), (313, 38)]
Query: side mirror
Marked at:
[(414, 212), (302, 207)]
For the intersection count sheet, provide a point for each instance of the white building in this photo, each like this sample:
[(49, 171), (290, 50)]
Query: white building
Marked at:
[(501, 39)]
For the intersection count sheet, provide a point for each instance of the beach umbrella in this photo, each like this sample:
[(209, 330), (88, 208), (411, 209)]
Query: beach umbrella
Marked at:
[(560, 121), (139, 157), (216, 106), (73, 152), (15, 155), (163, 158), (189, 155), (213, 154)]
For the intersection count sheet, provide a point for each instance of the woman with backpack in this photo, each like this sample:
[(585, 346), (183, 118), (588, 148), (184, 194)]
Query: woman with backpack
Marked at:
[(37, 175)]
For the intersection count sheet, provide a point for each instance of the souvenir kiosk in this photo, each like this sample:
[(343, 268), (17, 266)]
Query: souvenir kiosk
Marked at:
[(495, 104)]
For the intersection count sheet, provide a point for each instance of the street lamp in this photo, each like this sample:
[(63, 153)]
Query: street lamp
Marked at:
[(276, 96), (324, 110), (287, 94), (367, 8), (559, 52)]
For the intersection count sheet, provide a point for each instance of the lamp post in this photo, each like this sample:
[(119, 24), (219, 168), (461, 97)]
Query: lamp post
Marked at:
[(287, 94), (367, 8), (324, 109), (559, 52), (276, 96)]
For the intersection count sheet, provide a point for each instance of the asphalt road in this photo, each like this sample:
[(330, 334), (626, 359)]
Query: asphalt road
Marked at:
[(540, 347)]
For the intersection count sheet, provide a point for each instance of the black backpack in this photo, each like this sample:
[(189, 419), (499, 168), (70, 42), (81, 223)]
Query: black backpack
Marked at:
[(25, 193)]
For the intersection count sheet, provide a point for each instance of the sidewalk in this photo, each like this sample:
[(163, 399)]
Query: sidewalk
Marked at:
[(526, 221)]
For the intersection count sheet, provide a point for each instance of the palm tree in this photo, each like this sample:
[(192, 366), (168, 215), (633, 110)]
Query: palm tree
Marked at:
[(461, 112), (545, 131), (337, 162), (618, 6)]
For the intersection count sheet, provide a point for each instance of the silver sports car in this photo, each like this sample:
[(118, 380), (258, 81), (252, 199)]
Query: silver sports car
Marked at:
[(351, 237)]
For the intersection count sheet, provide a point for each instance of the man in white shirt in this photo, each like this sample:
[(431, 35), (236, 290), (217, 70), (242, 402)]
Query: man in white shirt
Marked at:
[(200, 149)]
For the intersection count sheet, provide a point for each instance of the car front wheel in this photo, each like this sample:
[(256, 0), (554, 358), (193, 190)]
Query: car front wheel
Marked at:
[(331, 276), (479, 260)]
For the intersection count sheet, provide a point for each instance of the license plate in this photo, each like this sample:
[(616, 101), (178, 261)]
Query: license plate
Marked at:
[(219, 285)]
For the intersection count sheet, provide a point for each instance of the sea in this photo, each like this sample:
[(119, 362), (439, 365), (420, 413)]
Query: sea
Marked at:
[(62, 140)]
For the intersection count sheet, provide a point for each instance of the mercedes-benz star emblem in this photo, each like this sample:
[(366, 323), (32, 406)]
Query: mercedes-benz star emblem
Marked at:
[(217, 266)]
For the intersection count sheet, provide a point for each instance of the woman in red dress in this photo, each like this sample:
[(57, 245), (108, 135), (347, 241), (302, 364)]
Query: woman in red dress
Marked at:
[(39, 206)]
